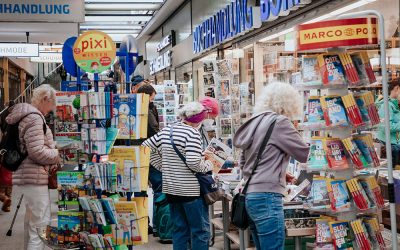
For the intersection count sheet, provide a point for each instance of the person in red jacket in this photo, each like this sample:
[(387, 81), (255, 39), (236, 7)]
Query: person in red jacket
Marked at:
[(5, 175)]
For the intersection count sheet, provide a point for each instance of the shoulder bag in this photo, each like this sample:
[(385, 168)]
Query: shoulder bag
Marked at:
[(209, 189), (239, 216)]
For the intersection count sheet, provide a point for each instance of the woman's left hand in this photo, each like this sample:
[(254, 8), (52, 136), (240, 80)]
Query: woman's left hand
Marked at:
[(290, 178)]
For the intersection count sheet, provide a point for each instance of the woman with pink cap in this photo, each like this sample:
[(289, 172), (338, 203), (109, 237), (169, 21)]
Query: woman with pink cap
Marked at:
[(212, 110), (189, 212)]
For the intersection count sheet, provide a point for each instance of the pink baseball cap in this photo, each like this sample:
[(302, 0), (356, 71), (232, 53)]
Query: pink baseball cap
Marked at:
[(211, 106)]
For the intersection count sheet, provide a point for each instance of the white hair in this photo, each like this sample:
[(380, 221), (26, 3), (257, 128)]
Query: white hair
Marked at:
[(280, 98), (190, 109), (41, 92)]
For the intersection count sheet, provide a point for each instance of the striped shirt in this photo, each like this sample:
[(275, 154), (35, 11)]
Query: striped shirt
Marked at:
[(178, 179)]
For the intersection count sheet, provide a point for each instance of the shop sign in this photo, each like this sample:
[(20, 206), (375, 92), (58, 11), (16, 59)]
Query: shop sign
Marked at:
[(336, 33), (161, 62), (48, 57), (237, 18), (42, 11), (166, 41), (94, 51), (19, 49)]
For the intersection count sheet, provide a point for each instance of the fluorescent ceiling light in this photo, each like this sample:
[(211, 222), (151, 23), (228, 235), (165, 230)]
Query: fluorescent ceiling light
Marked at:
[(110, 27), (119, 37), (117, 18), (128, 32), (124, 1), (283, 32), (337, 12), (115, 6)]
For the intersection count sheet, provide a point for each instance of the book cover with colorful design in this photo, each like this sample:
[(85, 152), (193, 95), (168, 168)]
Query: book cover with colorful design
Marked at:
[(310, 70), (334, 110), (341, 235), (314, 113), (69, 185), (331, 68), (335, 153), (70, 223), (317, 158)]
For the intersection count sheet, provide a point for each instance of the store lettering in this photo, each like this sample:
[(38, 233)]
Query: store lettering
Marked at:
[(234, 19), (164, 43), (97, 44), (49, 9), (161, 62), (339, 32), (272, 9), (14, 50)]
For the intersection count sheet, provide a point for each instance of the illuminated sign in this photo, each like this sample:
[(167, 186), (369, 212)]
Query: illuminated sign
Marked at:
[(161, 62), (166, 41), (48, 57), (336, 33), (19, 49), (237, 18)]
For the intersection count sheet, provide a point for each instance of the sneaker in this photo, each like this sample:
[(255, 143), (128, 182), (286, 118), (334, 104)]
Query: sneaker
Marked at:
[(6, 205)]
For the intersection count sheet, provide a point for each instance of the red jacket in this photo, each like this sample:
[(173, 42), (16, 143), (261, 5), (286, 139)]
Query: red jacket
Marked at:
[(5, 177)]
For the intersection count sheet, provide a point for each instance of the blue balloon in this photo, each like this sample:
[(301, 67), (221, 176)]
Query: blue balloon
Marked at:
[(68, 57), (128, 41)]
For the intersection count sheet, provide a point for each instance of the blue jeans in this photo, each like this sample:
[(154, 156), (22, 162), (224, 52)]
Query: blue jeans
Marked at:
[(155, 178), (191, 225), (266, 222)]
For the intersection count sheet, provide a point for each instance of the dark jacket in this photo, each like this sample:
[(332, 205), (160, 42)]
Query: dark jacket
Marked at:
[(153, 126), (285, 141)]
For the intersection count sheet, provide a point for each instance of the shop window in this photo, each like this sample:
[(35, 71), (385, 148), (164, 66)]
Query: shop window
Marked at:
[(184, 83)]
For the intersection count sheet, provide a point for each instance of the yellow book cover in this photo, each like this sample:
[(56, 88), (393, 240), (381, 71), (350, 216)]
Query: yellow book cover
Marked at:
[(142, 215), (143, 158)]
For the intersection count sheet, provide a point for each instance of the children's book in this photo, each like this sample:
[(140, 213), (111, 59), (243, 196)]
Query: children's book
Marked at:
[(109, 210), (132, 167), (52, 235), (68, 106), (69, 225), (334, 110), (130, 115), (127, 220), (331, 69), (319, 193), (314, 112), (69, 183), (310, 70), (317, 158), (341, 235), (335, 153), (216, 154), (142, 222), (97, 209)]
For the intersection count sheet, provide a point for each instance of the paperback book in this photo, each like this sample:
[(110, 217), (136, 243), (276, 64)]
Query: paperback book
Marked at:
[(70, 223), (314, 112), (341, 235), (317, 158), (69, 183), (335, 153), (331, 69), (334, 111), (339, 195), (319, 193), (310, 70)]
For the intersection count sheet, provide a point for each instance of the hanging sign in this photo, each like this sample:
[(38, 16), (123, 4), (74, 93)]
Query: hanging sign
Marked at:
[(42, 11), (94, 51), (161, 62), (337, 33), (166, 41), (48, 57), (19, 49)]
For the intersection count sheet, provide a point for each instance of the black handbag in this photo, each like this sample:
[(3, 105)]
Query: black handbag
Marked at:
[(239, 216), (209, 189)]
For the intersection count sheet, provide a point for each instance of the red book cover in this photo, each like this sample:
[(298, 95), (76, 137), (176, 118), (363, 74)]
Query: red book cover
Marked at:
[(335, 153)]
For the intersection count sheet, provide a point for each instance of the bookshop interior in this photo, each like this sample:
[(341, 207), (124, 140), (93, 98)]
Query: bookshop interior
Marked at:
[(200, 124)]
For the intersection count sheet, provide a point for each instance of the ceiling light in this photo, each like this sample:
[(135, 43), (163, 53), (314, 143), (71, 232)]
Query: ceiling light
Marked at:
[(337, 12), (123, 1), (120, 31), (132, 6), (276, 35), (119, 37), (98, 18), (110, 27)]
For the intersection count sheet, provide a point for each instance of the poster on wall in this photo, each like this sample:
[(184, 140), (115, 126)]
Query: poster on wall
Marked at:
[(94, 51)]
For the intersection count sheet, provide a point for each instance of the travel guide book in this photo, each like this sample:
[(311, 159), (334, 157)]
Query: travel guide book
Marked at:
[(317, 158), (310, 70), (339, 195), (319, 193), (331, 68), (314, 113), (335, 153), (341, 235), (334, 111), (216, 154)]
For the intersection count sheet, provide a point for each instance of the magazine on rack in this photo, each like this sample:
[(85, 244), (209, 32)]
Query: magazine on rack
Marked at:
[(216, 154)]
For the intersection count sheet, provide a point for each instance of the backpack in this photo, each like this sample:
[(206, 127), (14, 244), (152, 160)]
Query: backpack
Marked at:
[(11, 155), (162, 218)]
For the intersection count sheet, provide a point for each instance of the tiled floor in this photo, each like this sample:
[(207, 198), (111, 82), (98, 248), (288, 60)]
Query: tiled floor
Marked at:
[(16, 242)]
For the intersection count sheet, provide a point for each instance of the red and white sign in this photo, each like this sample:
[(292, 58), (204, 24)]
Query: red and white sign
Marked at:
[(337, 33)]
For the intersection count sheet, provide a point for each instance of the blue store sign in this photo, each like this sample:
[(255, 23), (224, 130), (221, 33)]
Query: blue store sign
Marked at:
[(238, 17)]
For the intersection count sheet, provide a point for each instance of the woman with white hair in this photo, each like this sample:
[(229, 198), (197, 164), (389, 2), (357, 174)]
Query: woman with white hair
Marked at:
[(189, 212), (278, 104), (32, 175)]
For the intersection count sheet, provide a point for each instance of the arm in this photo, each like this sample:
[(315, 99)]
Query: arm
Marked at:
[(394, 125), (155, 157), (290, 141), (193, 151), (153, 127), (34, 143)]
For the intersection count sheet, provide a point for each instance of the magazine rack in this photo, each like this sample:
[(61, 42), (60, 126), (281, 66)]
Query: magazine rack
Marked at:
[(343, 132)]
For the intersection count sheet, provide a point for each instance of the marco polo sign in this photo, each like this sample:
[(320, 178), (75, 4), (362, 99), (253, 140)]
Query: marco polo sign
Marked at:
[(69, 11), (237, 18)]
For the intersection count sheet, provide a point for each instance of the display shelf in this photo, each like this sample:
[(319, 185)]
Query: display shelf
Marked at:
[(304, 166), (301, 87), (234, 237), (323, 127), (41, 232), (296, 232), (350, 210), (218, 223)]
